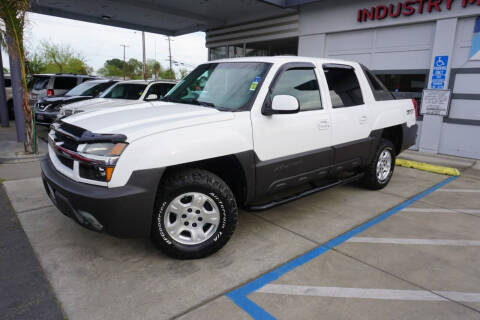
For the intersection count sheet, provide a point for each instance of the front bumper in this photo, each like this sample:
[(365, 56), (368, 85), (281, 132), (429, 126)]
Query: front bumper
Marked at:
[(45, 117), (122, 212)]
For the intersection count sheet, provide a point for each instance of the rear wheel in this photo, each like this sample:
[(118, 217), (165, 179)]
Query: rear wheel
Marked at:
[(195, 214), (380, 170)]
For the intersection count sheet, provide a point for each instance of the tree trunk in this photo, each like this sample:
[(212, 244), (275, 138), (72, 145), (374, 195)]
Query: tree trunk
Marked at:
[(20, 94)]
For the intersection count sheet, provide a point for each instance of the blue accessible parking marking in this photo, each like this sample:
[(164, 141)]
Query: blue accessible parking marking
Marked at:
[(240, 295)]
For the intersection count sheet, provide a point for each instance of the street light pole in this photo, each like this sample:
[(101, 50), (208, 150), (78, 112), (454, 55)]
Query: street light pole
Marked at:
[(124, 63), (144, 57), (170, 55)]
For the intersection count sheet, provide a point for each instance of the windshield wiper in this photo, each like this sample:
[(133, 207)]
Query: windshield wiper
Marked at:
[(205, 103)]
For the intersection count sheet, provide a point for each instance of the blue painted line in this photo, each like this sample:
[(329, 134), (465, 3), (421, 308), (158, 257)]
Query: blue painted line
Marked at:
[(239, 295)]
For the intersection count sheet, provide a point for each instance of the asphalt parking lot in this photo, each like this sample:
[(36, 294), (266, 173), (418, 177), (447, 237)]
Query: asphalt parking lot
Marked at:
[(418, 258)]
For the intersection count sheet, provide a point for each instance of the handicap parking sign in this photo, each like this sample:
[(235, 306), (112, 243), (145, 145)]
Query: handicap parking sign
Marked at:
[(439, 72)]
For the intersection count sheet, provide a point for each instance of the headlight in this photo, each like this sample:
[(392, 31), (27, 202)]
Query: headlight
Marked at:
[(105, 149), (56, 107), (99, 160)]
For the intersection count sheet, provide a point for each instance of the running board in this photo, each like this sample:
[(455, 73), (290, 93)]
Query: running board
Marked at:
[(304, 193)]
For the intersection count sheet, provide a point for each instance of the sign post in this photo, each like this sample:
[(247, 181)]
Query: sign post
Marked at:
[(439, 72)]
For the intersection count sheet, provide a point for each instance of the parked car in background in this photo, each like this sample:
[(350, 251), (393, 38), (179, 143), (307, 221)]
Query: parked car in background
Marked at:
[(47, 85), (46, 110), (122, 94)]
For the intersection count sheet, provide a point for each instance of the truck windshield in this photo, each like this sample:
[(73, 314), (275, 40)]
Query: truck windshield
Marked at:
[(226, 86)]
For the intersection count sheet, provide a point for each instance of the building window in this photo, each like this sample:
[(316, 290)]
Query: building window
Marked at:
[(257, 49), (303, 85), (235, 51), (344, 86), (218, 53)]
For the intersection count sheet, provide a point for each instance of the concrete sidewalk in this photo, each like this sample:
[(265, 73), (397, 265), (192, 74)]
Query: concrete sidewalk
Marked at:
[(442, 160), (12, 151)]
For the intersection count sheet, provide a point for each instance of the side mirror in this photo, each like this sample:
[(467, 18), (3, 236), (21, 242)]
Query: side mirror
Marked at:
[(151, 97), (283, 104)]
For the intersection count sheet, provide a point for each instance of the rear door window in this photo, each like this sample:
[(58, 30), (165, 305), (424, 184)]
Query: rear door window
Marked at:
[(65, 83), (8, 83), (343, 86)]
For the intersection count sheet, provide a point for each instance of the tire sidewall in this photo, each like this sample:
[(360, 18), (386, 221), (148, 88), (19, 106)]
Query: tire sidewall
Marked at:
[(389, 148), (217, 239)]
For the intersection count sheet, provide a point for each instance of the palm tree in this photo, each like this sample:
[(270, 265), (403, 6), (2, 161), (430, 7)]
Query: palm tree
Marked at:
[(12, 14)]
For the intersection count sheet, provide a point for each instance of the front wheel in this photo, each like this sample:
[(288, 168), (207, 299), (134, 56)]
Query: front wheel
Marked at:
[(380, 170), (195, 214)]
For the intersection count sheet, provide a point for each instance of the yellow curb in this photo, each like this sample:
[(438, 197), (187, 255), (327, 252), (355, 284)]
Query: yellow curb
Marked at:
[(427, 167)]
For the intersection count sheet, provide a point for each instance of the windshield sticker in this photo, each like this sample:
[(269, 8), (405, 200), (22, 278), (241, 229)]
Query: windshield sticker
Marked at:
[(254, 84)]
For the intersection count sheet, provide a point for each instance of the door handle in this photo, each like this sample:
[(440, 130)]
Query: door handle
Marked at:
[(323, 125), (363, 119)]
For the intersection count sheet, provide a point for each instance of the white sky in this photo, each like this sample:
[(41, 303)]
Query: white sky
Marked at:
[(98, 43)]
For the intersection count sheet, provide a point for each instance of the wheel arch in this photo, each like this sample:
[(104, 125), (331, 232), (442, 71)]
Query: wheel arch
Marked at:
[(395, 135), (237, 170)]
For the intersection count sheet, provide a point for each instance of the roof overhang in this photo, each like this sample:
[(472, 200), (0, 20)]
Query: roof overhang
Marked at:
[(166, 17)]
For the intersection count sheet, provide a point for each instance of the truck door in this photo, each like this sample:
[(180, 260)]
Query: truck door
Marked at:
[(351, 118), (292, 148)]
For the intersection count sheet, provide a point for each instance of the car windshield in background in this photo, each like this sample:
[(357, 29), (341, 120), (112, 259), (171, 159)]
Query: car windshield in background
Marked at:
[(130, 91), (88, 88), (224, 86), (40, 83)]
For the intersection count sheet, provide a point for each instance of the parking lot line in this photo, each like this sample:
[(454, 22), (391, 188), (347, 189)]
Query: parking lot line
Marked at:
[(432, 242), (240, 295), (364, 293), (442, 210), (460, 190)]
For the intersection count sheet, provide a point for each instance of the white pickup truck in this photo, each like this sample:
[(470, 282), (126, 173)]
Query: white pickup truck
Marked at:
[(234, 133)]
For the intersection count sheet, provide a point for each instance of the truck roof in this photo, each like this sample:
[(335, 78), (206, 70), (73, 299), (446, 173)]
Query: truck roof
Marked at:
[(284, 59)]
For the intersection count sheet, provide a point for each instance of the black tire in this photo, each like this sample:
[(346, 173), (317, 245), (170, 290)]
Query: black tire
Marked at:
[(194, 181), (371, 180)]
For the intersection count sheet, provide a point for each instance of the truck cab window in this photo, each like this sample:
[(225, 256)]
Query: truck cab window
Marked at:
[(380, 92), (343, 86), (303, 85)]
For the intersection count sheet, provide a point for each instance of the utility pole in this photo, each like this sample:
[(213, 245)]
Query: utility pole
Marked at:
[(170, 55), (144, 57), (124, 63)]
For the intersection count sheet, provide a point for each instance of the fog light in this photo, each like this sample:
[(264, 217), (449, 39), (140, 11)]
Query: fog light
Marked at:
[(88, 218)]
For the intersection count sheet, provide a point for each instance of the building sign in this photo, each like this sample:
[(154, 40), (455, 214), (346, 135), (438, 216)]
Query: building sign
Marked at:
[(408, 8), (439, 72), (475, 49), (436, 102)]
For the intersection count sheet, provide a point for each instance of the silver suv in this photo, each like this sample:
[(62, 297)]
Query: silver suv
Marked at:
[(43, 85)]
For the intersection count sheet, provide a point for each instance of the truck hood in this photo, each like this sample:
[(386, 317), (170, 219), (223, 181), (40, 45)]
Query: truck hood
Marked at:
[(147, 118), (99, 103)]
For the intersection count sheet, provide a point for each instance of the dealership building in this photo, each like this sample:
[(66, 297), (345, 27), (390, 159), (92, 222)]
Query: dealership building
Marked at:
[(411, 45)]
